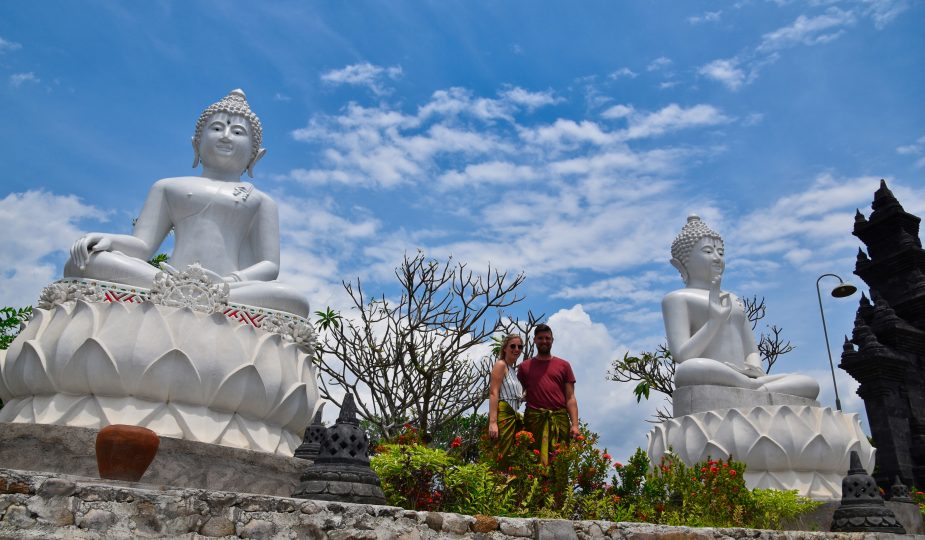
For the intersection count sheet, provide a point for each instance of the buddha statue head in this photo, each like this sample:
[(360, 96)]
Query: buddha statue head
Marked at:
[(231, 113), (698, 249)]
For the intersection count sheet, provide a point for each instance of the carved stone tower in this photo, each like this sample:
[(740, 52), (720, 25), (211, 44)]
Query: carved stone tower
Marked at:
[(886, 353)]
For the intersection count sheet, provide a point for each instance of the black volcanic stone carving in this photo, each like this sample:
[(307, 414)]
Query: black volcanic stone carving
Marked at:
[(862, 508), (889, 336), (311, 442), (341, 471), (900, 492)]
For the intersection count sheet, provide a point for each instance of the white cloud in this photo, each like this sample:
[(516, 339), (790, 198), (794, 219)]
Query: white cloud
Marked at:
[(618, 111), (708, 16), (495, 172), (39, 228), (808, 30), (363, 74), (883, 12), (18, 79), (659, 63), (529, 100), (623, 72), (279, 96), (7, 46), (915, 149), (673, 118), (725, 71)]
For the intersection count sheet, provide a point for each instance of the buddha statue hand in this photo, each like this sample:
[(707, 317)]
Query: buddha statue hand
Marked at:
[(747, 370), (87, 244), (720, 303)]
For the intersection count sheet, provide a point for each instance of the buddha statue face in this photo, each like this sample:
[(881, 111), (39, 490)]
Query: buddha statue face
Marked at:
[(698, 252), (221, 130), (226, 143), (706, 261)]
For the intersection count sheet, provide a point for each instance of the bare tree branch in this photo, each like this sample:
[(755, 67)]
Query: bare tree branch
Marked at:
[(413, 359)]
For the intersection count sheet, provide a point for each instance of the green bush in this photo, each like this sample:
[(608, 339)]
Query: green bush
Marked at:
[(575, 484)]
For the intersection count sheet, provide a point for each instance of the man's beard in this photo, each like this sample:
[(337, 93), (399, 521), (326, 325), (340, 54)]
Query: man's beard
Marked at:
[(544, 351)]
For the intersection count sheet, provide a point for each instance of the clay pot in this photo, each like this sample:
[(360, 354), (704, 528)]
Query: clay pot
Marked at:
[(125, 452)]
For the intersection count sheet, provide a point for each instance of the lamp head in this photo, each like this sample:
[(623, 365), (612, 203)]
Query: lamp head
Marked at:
[(843, 290)]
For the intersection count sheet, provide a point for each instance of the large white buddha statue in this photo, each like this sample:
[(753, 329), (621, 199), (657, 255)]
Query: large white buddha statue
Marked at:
[(222, 223), (709, 336)]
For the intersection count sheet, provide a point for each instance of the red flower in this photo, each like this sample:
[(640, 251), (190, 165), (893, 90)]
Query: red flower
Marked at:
[(457, 442), (703, 469), (536, 452), (618, 465), (732, 472), (580, 437), (607, 456)]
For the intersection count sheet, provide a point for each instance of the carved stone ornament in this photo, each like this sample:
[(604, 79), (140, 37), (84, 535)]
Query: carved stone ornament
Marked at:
[(311, 442), (862, 508), (341, 471), (899, 492), (298, 331), (62, 291), (190, 288)]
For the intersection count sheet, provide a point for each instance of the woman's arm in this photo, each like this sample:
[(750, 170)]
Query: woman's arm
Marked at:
[(494, 392)]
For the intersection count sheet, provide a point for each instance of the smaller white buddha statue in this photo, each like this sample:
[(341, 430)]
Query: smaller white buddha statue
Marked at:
[(709, 335), (222, 223)]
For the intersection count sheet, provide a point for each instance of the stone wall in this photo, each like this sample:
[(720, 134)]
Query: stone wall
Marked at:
[(44, 505)]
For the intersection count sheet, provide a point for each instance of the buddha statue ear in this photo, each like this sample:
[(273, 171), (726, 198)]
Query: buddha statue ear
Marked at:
[(250, 166), (680, 267), (195, 153)]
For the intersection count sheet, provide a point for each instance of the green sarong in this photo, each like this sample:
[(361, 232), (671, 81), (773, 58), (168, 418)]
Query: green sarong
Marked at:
[(548, 427), (509, 422)]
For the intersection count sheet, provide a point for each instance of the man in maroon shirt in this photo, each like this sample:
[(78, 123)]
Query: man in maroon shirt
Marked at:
[(549, 385)]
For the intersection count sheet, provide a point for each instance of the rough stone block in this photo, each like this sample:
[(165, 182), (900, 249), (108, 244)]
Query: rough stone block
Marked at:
[(56, 487), (555, 529), (258, 529), (18, 516), (97, 520), (484, 524), (456, 524), (217, 526), (517, 527)]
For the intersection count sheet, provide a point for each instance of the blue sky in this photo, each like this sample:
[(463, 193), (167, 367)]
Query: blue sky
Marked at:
[(565, 140)]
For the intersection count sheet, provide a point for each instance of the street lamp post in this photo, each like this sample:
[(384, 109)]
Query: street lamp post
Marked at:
[(840, 291)]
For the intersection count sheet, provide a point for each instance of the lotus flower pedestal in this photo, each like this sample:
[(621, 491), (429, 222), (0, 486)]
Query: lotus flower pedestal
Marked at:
[(178, 360), (785, 443)]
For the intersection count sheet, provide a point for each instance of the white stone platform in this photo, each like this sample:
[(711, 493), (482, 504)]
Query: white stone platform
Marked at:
[(86, 360), (788, 446)]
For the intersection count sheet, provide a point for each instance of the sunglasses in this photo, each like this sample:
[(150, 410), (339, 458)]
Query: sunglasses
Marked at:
[(515, 346)]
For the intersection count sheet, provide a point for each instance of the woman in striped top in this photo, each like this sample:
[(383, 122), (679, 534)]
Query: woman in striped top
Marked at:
[(505, 395)]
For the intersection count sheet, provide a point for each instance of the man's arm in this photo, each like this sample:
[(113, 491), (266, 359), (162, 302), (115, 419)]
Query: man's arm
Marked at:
[(571, 405)]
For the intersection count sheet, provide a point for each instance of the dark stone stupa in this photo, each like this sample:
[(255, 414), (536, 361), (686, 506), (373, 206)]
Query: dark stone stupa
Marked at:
[(341, 469), (886, 353), (862, 508), (311, 441)]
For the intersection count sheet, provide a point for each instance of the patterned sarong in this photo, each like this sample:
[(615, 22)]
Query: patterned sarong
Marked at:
[(509, 422), (548, 427)]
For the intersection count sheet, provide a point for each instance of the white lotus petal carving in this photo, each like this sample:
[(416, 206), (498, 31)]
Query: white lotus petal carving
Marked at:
[(182, 373), (172, 377), (783, 446)]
